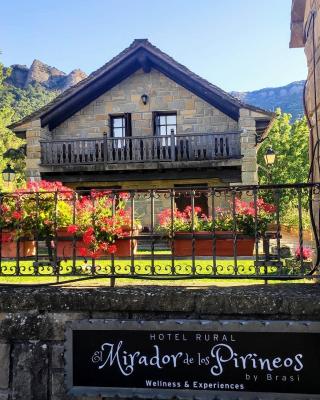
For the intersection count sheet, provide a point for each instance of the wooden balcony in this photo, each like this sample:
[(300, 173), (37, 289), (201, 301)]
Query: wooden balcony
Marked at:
[(175, 149)]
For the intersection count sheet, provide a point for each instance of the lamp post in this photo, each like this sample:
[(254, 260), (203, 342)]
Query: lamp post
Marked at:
[(8, 174)]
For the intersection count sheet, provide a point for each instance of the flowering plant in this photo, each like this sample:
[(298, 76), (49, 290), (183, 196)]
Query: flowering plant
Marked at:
[(182, 220), (305, 254), (243, 220), (101, 219), (38, 208)]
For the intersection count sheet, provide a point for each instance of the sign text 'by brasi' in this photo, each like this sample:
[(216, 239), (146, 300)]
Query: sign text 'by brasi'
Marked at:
[(192, 356)]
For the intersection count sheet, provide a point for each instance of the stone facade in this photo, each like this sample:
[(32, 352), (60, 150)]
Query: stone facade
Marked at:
[(194, 115), (33, 320), (305, 32)]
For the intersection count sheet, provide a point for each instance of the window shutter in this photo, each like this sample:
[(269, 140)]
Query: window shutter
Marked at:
[(154, 121), (127, 117)]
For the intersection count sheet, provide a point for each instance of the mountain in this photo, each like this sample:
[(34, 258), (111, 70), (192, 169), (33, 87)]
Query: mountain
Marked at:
[(289, 98), (39, 73)]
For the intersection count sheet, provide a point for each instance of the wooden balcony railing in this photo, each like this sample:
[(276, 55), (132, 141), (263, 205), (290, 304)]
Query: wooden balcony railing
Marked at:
[(136, 149)]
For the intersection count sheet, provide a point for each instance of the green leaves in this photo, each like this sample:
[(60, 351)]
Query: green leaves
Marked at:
[(290, 143)]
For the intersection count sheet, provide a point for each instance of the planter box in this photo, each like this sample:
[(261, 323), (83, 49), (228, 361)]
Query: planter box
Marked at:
[(65, 247), (9, 246), (204, 247)]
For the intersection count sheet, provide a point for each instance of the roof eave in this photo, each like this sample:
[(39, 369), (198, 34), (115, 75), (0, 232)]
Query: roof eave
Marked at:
[(298, 9)]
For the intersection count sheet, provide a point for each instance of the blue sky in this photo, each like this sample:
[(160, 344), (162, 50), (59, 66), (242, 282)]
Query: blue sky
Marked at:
[(235, 44)]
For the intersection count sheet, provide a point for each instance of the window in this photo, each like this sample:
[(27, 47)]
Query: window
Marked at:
[(120, 127), (200, 199), (164, 123)]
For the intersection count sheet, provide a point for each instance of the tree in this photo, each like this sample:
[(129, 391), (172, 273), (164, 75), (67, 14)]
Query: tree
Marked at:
[(7, 137), (290, 142)]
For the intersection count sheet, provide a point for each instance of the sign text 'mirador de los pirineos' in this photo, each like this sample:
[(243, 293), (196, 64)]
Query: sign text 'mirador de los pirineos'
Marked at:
[(189, 357)]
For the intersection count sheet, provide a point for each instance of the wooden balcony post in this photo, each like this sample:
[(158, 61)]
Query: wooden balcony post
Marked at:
[(173, 145), (105, 147)]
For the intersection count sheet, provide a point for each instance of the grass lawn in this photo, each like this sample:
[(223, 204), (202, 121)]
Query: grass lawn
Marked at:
[(123, 267)]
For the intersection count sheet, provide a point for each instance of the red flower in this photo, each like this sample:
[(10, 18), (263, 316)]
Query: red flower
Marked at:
[(17, 215), (103, 246), (87, 239), (83, 251), (112, 248), (89, 231), (122, 213), (72, 229)]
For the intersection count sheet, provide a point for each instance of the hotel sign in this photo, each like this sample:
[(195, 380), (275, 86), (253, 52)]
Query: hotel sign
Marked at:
[(202, 359)]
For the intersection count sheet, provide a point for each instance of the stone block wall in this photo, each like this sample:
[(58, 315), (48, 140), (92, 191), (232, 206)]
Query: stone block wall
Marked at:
[(32, 322), (312, 52), (194, 115), (34, 133)]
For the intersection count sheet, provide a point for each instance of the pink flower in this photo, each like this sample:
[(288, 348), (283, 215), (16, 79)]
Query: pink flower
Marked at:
[(306, 253)]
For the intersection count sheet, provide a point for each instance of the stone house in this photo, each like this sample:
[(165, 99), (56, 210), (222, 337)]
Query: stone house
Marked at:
[(144, 121)]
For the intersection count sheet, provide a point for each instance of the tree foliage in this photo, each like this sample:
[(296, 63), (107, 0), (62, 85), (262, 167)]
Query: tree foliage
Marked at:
[(16, 103), (290, 142), (25, 101), (7, 137)]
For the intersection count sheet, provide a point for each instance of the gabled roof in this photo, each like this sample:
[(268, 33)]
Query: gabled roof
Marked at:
[(140, 54)]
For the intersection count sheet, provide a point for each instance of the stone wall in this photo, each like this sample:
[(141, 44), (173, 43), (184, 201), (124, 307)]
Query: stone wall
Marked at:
[(305, 31), (194, 115), (32, 322), (313, 56)]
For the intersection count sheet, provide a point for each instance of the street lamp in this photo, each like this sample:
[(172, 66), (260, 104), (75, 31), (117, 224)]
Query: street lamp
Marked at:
[(8, 174)]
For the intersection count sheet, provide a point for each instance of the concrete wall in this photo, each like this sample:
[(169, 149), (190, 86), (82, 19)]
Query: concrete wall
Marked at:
[(32, 322)]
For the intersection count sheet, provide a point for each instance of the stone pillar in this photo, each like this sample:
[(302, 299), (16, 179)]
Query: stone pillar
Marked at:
[(249, 169), (34, 134)]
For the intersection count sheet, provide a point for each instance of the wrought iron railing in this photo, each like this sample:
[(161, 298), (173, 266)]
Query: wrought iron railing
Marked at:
[(184, 147), (239, 233)]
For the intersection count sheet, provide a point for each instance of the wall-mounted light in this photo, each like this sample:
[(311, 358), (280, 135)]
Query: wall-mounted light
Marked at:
[(144, 99)]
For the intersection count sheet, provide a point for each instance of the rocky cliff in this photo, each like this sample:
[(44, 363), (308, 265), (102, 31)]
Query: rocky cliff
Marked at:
[(49, 77), (289, 98)]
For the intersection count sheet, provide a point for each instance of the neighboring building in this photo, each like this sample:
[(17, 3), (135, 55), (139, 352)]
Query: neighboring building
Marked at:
[(144, 121), (305, 32)]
